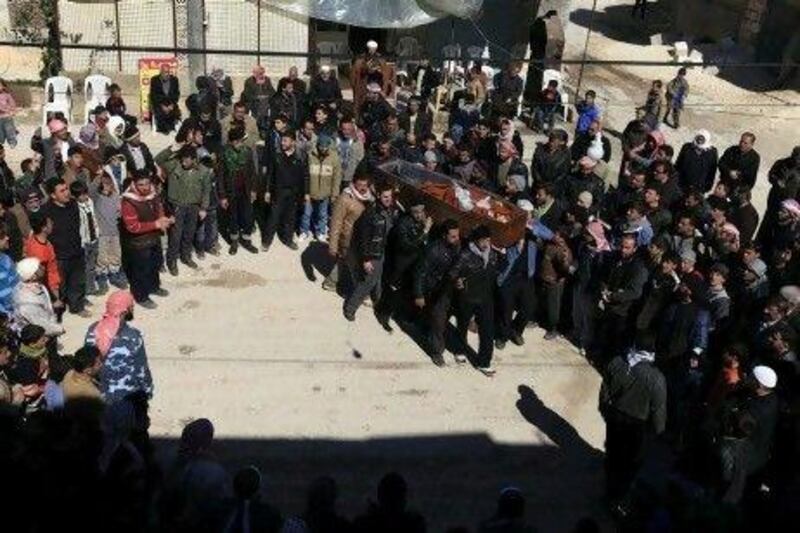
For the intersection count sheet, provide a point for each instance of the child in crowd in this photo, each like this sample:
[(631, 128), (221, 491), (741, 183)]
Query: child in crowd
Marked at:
[(89, 235), (106, 198), (8, 107)]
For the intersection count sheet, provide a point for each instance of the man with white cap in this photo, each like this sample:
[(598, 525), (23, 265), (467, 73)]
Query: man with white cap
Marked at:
[(762, 406), (374, 109), (369, 68), (325, 90), (32, 304)]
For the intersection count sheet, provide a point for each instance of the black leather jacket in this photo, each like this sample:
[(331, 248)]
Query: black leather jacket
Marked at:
[(430, 276), (371, 231), (479, 279)]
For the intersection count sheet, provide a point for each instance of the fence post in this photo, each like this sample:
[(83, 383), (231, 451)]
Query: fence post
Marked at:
[(118, 37), (258, 31), (195, 32)]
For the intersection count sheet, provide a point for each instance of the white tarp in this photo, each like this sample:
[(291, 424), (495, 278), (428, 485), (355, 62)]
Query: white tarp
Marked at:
[(380, 13)]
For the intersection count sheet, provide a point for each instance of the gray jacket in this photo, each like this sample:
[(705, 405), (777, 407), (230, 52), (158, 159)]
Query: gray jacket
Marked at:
[(639, 392)]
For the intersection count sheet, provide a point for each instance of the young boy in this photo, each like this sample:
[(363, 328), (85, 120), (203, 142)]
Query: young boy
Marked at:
[(548, 103), (588, 112), (89, 235), (38, 245), (107, 206), (8, 107)]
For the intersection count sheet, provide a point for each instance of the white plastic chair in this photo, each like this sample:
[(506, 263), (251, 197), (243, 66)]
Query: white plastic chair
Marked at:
[(407, 47), (451, 54), (95, 92), (326, 48), (58, 98)]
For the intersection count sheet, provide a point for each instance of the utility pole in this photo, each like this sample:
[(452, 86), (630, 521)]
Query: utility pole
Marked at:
[(196, 37), (585, 50)]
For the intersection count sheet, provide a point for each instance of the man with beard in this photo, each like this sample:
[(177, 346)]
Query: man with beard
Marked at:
[(475, 277), (287, 183), (143, 222), (406, 247), (285, 102), (348, 207), (325, 90), (125, 369), (552, 160), (164, 94), (238, 190), (368, 251), (432, 289), (739, 164)]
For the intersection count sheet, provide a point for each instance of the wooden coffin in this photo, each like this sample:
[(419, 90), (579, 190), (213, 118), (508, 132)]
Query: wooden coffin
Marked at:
[(440, 194)]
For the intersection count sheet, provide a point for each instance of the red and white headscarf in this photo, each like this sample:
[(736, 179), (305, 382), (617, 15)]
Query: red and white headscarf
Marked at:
[(118, 303)]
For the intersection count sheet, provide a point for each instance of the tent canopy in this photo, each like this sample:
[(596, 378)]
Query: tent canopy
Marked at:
[(380, 13)]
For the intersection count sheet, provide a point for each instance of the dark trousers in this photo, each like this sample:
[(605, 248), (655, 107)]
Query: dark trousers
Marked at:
[(483, 312), (552, 303), (515, 295), (281, 219), (165, 121), (640, 5), (438, 311), (181, 234), (583, 307), (624, 442), (207, 231), (73, 282), (365, 284), (142, 266), (240, 216), (676, 114)]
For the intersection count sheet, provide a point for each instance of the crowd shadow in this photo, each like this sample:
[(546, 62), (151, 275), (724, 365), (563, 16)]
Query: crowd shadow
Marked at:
[(454, 480), (616, 22), (315, 259)]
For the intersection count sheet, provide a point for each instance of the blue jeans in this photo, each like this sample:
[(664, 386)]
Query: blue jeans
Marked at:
[(8, 132), (318, 210)]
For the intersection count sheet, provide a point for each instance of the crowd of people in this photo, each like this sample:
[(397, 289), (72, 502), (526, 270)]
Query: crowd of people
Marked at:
[(661, 272)]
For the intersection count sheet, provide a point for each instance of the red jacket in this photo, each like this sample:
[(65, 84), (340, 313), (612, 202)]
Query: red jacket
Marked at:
[(45, 253)]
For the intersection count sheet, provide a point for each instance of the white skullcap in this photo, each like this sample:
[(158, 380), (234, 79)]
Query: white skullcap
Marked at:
[(791, 293), (372, 45), (765, 376), (325, 68), (525, 205), (27, 268)]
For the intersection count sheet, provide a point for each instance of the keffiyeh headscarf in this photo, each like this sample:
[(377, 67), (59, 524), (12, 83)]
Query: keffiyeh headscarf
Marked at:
[(116, 306), (706, 135)]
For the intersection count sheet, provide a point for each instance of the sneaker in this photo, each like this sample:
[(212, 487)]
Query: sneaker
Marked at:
[(367, 303), (292, 245), (487, 371), (234, 248), (582, 352), (265, 247), (119, 281), (303, 237), (214, 251), (384, 322), (189, 263), (349, 315), (323, 237), (173, 268), (247, 245), (83, 313), (161, 292), (460, 358), (551, 335), (148, 304), (499, 344), (328, 286), (517, 339), (201, 254)]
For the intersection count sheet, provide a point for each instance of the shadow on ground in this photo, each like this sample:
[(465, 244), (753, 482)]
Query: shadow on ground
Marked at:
[(453, 479)]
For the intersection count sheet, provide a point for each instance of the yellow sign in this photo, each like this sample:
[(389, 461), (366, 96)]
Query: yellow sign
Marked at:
[(149, 67)]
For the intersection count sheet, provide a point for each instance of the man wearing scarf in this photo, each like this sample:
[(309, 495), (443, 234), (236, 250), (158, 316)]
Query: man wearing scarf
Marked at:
[(697, 163), (348, 207), (475, 277), (258, 91), (125, 369), (55, 148), (633, 401), (143, 221)]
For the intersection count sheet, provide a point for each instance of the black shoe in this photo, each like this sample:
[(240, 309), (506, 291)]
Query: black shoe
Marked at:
[(234, 248), (163, 269), (214, 251), (201, 254), (173, 268), (161, 293), (265, 246), (148, 304), (499, 344), (189, 263), (517, 339), (438, 360), (292, 245), (349, 315), (247, 245), (384, 322)]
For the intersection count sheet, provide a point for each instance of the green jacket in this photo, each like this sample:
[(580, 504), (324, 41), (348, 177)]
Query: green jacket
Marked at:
[(185, 186), (325, 175)]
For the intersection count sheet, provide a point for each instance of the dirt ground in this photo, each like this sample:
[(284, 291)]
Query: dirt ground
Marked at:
[(254, 344)]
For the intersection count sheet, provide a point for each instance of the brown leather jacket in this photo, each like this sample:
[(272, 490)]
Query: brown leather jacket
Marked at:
[(346, 211)]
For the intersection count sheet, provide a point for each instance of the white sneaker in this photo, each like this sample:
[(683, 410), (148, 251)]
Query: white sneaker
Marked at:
[(322, 237), (460, 358), (303, 237), (487, 371)]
